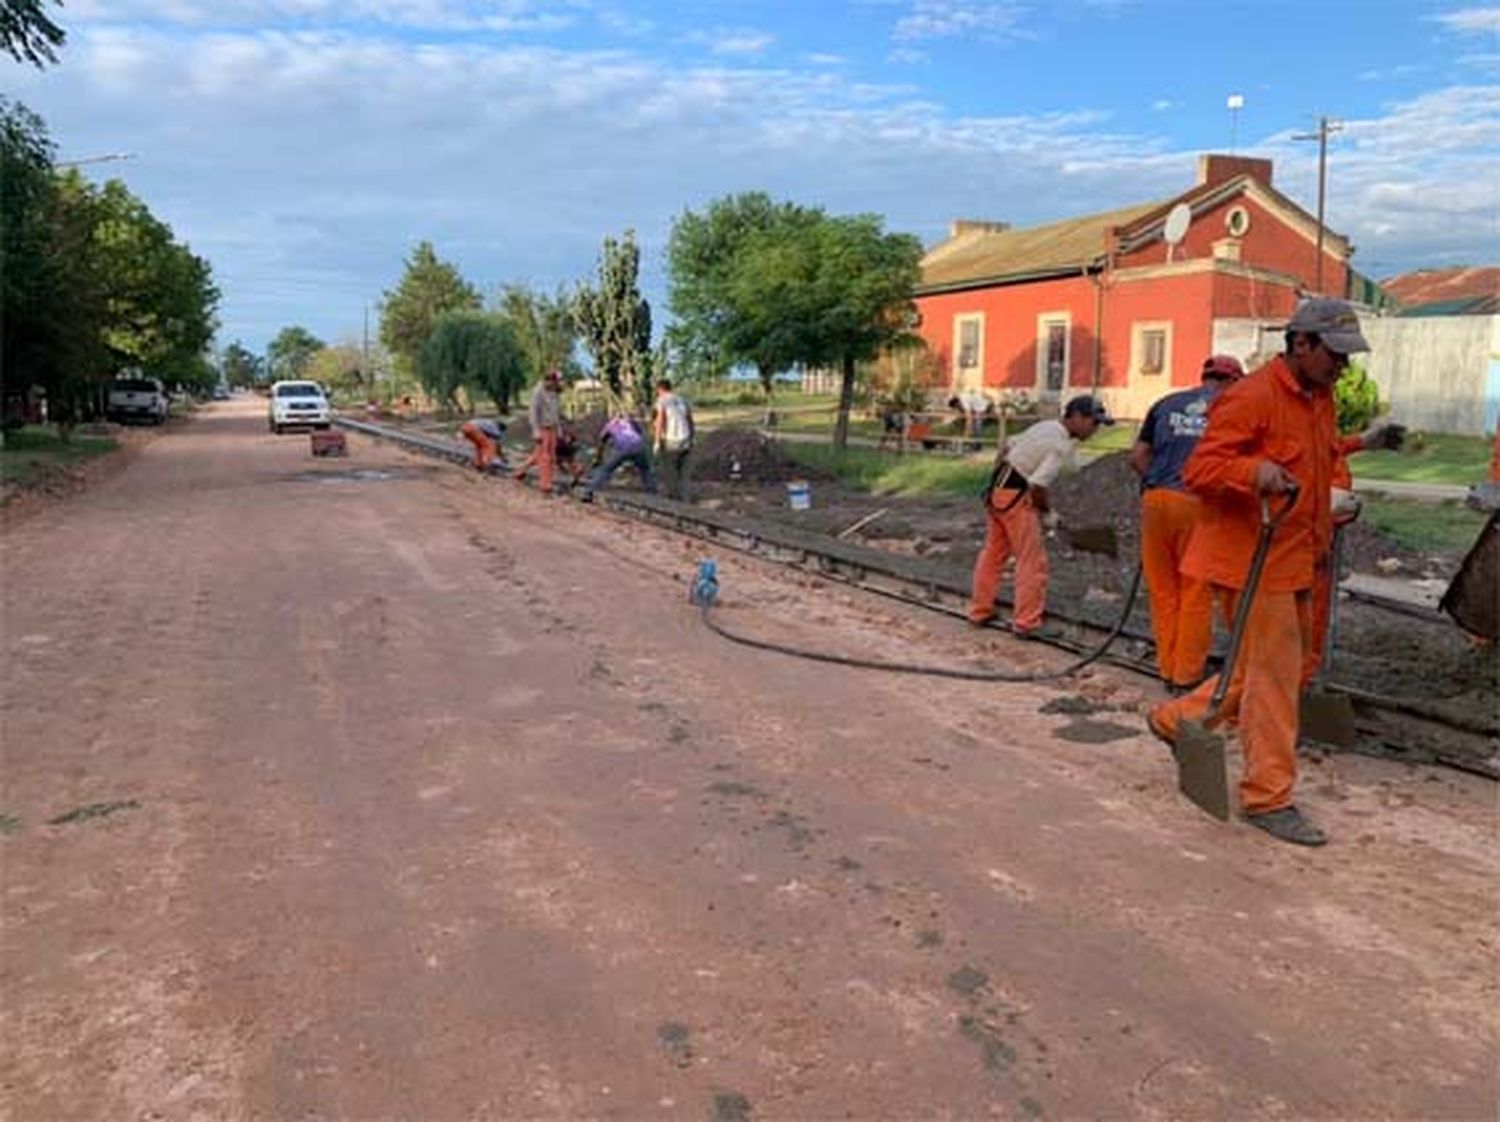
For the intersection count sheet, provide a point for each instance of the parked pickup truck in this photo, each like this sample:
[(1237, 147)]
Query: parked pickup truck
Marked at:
[(137, 399), (294, 404)]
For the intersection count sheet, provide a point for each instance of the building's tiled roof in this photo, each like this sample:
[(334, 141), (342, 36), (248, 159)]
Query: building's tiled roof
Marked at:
[(1459, 291), (979, 255)]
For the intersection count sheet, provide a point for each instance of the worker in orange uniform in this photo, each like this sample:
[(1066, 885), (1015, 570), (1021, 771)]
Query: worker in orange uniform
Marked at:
[(484, 434), (1181, 606), (1017, 504), (546, 417), (1270, 436)]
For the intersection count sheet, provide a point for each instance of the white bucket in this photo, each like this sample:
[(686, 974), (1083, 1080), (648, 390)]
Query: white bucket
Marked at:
[(799, 495)]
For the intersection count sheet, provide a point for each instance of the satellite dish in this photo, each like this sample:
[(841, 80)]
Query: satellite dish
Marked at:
[(1177, 223)]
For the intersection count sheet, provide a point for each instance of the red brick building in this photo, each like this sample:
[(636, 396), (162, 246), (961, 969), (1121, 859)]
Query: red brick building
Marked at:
[(1102, 301)]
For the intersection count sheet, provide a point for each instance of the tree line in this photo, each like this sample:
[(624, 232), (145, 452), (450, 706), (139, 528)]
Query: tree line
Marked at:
[(753, 282)]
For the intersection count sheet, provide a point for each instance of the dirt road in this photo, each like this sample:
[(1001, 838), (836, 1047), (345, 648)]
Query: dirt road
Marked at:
[(368, 789)]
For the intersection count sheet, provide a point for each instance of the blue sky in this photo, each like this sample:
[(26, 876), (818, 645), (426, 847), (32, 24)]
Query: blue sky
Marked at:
[(303, 146)]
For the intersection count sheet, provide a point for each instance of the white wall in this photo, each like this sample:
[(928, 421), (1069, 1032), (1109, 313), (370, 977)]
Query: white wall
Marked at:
[(1440, 373)]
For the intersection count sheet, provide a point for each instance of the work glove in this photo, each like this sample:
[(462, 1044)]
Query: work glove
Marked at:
[(1383, 434)]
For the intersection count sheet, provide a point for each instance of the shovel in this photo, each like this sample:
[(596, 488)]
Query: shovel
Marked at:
[(1199, 749), (1325, 716), (1094, 539)]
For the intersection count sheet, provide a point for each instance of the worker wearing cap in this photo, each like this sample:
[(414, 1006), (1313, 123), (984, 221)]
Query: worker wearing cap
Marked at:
[(546, 416), (484, 434), (1270, 437), (1016, 502), (1181, 606)]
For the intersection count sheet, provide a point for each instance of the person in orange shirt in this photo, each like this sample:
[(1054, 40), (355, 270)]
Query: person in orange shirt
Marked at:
[(1270, 437), (484, 434), (1181, 607)]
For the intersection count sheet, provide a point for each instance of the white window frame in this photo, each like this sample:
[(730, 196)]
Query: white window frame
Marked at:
[(1044, 323), (968, 377), (1138, 330)]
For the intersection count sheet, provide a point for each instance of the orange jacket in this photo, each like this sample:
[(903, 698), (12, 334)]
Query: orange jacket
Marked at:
[(1266, 416)]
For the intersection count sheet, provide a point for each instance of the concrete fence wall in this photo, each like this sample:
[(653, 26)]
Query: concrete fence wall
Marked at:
[(1439, 373)]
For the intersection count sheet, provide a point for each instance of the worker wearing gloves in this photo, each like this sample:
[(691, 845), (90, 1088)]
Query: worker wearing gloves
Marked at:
[(1017, 506), (620, 442), (1270, 437), (1181, 606), (484, 434), (545, 416)]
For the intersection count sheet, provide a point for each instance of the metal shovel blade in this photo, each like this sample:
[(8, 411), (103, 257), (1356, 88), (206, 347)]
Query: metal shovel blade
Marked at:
[(1095, 539), (1201, 772), (1327, 718)]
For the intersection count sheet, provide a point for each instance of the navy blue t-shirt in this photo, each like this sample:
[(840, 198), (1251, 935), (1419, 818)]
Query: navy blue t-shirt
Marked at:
[(1172, 427)]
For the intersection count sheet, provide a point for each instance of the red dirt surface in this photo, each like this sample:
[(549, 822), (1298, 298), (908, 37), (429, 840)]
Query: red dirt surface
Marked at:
[(373, 789)]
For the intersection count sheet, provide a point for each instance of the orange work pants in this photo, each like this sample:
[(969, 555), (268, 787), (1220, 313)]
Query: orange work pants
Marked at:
[(1181, 606), (1016, 531), (544, 456), (484, 447), (1263, 695)]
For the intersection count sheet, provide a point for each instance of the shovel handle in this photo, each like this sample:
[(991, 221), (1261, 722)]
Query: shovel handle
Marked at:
[(1269, 520)]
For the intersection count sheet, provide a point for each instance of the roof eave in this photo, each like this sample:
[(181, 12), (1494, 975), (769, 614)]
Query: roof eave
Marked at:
[(1004, 279)]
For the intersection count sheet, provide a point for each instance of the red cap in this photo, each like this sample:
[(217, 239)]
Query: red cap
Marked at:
[(1223, 366)]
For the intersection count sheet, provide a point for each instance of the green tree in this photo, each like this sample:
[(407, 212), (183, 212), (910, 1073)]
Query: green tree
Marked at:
[(340, 367), (475, 352), (714, 329), (615, 322), (1356, 398), (428, 288), (239, 367), (834, 290), (27, 34), (289, 354), (545, 328)]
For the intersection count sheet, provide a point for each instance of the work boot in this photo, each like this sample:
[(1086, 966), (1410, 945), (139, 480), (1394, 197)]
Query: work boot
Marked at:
[(1288, 825)]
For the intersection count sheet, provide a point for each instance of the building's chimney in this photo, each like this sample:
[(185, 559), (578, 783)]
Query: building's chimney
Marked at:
[(1214, 169), (976, 226)]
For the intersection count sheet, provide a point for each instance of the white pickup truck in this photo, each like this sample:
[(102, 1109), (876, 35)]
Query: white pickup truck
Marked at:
[(137, 399)]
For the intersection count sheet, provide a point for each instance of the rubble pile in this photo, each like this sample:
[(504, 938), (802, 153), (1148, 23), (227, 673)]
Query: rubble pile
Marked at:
[(732, 455)]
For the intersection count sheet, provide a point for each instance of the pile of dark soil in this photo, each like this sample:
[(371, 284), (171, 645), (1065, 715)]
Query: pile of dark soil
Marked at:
[(743, 455), (1367, 550), (518, 427), (1104, 493)]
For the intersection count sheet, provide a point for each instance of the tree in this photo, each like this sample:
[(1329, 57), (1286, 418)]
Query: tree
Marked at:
[(615, 321), (473, 351), (289, 354), (428, 288), (714, 330), (238, 367), (339, 367), (545, 329), (1356, 398), (26, 34), (829, 290)]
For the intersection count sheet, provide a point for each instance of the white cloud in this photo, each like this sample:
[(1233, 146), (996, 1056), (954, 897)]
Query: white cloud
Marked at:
[(909, 56), (305, 163), (1485, 21), (428, 15), (819, 58), (942, 19), (1162, 104), (740, 42)]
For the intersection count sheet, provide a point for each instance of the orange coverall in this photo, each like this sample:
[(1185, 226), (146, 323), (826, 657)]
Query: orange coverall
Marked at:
[(544, 456), (1014, 531), (1267, 416), (1181, 606), (484, 447)]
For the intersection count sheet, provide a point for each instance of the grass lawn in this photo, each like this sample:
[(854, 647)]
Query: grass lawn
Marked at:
[(882, 473), (1447, 527), (1428, 458), (36, 449)]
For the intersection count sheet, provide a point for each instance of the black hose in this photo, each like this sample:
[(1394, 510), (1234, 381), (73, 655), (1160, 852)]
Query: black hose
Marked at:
[(932, 671)]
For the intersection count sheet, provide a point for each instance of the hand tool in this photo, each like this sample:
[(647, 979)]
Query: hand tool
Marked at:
[(1325, 716), (1199, 749)]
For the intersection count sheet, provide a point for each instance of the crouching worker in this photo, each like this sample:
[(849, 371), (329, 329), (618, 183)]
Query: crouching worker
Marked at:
[(568, 459), (620, 441), (1017, 503), (485, 435), (1271, 437)]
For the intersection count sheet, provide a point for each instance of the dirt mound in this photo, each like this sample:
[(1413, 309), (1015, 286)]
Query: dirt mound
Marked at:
[(518, 427), (1104, 493), (743, 455)]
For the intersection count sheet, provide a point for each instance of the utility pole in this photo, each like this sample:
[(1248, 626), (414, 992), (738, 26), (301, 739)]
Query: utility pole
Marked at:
[(1326, 126)]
